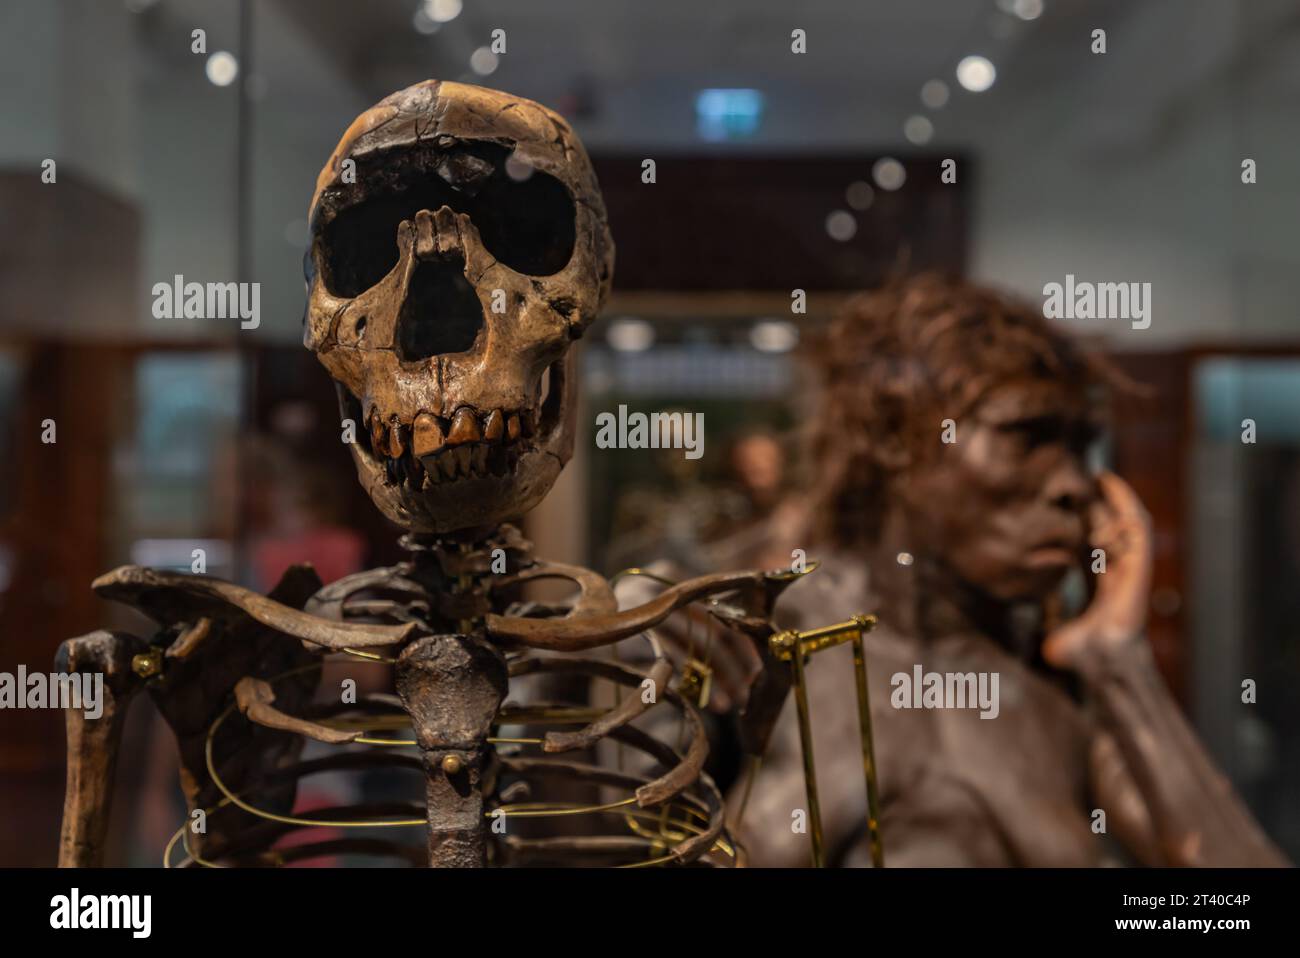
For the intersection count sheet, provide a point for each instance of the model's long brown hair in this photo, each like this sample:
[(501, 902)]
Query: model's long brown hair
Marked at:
[(896, 361)]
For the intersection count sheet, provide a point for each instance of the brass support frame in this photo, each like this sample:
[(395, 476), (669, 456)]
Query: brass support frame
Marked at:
[(793, 646)]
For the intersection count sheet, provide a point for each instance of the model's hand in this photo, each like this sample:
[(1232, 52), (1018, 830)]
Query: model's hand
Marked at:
[(1120, 526)]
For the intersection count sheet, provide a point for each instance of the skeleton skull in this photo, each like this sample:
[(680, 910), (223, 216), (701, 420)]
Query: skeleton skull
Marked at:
[(459, 246)]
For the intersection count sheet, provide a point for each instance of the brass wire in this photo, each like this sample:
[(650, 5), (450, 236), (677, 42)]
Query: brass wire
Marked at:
[(285, 819), (553, 809), (513, 810), (372, 656), (636, 570), (689, 828), (660, 837), (182, 836)]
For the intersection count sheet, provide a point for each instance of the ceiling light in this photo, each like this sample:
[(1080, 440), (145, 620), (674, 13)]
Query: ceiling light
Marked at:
[(222, 68), (841, 226), (859, 195), (976, 73), (424, 23), (934, 94), (888, 173), (442, 11), (1027, 9), (483, 61), (774, 336), (630, 335), (918, 129)]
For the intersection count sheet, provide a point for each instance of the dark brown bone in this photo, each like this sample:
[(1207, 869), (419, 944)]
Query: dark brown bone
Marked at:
[(574, 634), (708, 800), (255, 698), (595, 597), (174, 596), (623, 713), (682, 774), (452, 686), (445, 143), (192, 691), (93, 743)]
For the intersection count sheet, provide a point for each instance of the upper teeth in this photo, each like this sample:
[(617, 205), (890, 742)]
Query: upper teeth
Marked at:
[(471, 444)]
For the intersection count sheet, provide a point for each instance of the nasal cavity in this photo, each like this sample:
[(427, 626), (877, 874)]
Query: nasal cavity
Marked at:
[(441, 313)]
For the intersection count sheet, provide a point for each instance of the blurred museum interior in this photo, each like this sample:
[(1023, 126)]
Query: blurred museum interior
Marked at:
[(775, 171)]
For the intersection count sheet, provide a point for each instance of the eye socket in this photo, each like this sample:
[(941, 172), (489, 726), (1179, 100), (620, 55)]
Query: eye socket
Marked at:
[(1035, 431), (529, 225), (360, 243)]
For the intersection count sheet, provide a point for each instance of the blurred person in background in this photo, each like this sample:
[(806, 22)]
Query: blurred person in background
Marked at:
[(758, 501)]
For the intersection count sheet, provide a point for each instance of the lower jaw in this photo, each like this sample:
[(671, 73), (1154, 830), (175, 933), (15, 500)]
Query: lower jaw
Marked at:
[(465, 502), (451, 467)]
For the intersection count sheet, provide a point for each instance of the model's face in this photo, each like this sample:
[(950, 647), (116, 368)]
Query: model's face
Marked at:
[(1005, 506)]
